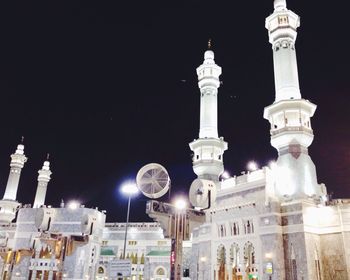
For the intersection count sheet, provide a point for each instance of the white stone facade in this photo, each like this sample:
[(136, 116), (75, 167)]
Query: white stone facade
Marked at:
[(273, 223), (277, 222)]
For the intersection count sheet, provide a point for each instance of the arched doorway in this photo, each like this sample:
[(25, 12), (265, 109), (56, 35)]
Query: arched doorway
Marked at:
[(160, 273), (249, 258), (221, 262), (234, 261)]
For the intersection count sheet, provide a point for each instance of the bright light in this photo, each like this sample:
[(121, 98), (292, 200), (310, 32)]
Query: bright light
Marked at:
[(272, 164), (73, 205), (203, 259), (129, 188), (225, 175), (252, 166), (180, 204), (268, 255)]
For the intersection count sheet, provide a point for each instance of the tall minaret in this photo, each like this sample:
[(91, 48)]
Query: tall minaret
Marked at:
[(43, 180), (209, 148), (289, 115), (9, 205)]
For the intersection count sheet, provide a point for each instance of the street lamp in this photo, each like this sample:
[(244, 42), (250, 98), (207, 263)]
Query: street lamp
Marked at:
[(176, 262), (180, 204), (130, 189)]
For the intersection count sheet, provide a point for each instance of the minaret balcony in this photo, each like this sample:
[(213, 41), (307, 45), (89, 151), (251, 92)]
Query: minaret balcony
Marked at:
[(274, 132), (206, 161), (8, 209), (287, 135)]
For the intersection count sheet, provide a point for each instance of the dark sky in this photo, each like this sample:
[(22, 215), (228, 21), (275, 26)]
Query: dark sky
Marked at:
[(99, 86)]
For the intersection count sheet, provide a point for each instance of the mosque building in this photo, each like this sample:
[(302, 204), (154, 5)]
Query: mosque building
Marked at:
[(276, 222)]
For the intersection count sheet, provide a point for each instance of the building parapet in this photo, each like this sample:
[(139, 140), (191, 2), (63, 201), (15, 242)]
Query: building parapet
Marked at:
[(141, 226), (247, 179)]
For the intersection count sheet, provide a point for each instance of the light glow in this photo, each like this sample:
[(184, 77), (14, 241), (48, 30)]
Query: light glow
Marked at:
[(252, 166), (272, 164), (73, 204), (268, 255), (129, 188), (180, 204), (225, 175)]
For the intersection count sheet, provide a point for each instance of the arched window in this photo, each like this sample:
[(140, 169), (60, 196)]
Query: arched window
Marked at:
[(234, 255), (101, 270), (221, 261), (160, 271), (91, 228), (249, 255), (235, 229), (48, 224)]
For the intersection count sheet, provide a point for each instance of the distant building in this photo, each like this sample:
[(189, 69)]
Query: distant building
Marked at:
[(72, 242), (146, 247)]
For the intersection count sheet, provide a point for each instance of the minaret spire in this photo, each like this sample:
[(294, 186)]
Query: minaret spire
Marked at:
[(282, 26), (18, 159), (9, 205), (290, 115), (43, 180), (209, 148), (280, 4)]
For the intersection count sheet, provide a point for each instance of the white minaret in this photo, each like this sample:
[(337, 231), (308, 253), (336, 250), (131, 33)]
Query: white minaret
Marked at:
[(18, 159), (43, 180), (282, 26), (208, 149), (289, 115), (9, 205)]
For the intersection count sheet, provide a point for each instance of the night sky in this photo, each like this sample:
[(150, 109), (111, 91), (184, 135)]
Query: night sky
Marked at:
[(110, 86)]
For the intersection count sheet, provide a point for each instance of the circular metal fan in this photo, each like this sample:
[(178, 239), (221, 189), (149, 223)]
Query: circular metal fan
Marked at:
[(153, 180), (199, 193)]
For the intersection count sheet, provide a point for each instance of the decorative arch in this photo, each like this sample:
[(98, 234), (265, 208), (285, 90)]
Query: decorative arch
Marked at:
[(160, 271), (249, 256), (234, 261), (234, 255), (221, 262), (101, 270), (221, 254)]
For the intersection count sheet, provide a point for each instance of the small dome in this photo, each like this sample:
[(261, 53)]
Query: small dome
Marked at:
[(20, 149), (209, 54), (280, 4)]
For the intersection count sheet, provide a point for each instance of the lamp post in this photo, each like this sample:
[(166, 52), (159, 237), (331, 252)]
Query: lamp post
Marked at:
[(129, 189), (176, 261)]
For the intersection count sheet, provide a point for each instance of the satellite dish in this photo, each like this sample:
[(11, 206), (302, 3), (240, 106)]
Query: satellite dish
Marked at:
[(199, 193), (153, 180)]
